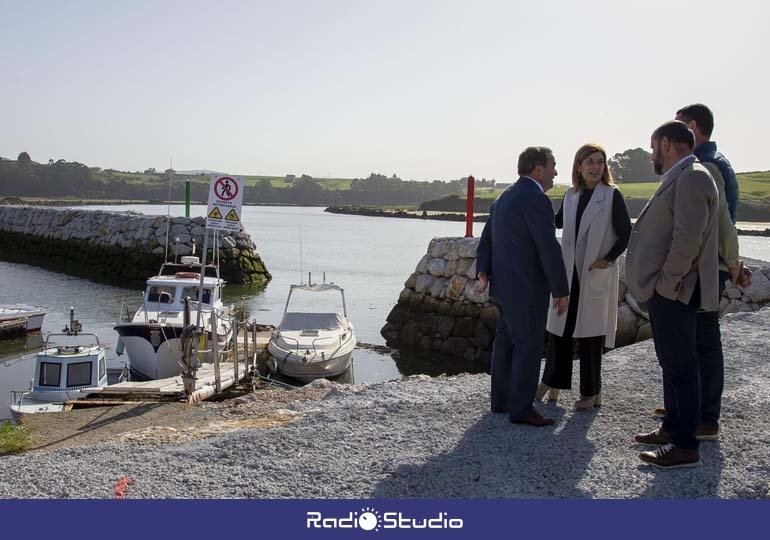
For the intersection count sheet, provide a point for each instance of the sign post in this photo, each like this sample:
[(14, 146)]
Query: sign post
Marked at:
[(224, 213), (225, 201)]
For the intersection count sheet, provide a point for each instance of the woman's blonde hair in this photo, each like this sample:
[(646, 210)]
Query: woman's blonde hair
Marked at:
[(585, 151)]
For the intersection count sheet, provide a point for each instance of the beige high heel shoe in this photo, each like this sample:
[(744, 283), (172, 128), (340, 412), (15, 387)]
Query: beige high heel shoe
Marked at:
[(543, 389), (588, 402)]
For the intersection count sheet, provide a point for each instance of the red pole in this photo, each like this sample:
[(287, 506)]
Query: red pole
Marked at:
[(469, 209)]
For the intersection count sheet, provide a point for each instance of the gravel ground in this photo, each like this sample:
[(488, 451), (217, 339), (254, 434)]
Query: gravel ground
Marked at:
[(423, 437)]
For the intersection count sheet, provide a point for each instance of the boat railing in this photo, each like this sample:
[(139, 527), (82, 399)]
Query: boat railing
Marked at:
[(315, 353), (124, 315), (313, 343), (17, 396), (51, 339)]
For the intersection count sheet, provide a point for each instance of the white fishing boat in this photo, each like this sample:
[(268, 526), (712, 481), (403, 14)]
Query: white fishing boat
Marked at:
[(312, 345), (70, 366), (34, 315), (152, 338)]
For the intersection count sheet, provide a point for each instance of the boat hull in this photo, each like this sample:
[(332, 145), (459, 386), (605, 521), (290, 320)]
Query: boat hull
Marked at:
[(35, 322), (309, 369), (36, 402), (33, 315), (155, 351)]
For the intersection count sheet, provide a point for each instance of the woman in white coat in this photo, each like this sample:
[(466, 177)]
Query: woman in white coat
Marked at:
[(596, 229)]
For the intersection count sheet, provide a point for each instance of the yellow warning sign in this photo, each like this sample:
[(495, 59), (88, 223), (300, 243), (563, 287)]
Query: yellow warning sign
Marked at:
[(231, 216), (216, 214)]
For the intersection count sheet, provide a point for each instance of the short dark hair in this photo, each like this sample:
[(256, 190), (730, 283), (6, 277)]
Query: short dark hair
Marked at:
[(701, 114), (532, 157), (676, 132)]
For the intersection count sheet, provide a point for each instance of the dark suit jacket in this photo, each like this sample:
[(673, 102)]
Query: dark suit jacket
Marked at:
[(518, 249)]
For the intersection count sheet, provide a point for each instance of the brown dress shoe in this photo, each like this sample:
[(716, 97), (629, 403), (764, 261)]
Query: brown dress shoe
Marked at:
[(660, 411), (671, 457), (535, 419), (659, 437)]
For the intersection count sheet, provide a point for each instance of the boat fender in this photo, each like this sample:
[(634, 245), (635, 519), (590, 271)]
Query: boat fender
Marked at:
[(119, 348), (272, 365), (187, 275)]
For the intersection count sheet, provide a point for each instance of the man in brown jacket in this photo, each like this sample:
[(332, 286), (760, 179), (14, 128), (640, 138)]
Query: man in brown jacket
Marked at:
[(672, 267)]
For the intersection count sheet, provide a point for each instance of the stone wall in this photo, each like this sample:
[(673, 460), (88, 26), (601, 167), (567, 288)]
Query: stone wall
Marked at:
[(116, 247), (439, 311)]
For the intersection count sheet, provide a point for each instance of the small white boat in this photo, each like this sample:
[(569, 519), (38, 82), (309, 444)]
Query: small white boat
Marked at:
[(34, 315), (152, 338), (70, 366), (308, 346)]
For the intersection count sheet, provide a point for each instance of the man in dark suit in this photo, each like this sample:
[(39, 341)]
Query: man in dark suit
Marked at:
[(519, 256)]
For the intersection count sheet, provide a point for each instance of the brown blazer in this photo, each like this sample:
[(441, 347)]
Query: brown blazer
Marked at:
[(674, 241)]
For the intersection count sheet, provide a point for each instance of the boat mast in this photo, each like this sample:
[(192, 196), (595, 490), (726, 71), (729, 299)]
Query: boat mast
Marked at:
[(168, 207), (300, 255), (203, 275)]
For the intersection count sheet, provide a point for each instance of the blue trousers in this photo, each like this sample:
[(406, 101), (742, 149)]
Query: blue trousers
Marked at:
[(516, 357)]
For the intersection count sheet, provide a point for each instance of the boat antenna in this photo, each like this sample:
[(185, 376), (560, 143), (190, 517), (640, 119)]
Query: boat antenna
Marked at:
[(168, 206), (300, 254)]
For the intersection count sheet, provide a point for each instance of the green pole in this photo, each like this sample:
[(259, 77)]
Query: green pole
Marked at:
[(187, 198)]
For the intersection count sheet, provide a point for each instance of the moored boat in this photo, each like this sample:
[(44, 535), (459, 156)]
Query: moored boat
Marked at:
[(152, 339), (34, 315), (70, 366), (312, 345)]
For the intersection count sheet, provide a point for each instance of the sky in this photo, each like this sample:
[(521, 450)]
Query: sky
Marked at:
[(421, 89)]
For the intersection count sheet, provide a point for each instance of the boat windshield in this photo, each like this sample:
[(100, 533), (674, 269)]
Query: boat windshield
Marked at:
[(192, 292), (164, 295), (312, 321)]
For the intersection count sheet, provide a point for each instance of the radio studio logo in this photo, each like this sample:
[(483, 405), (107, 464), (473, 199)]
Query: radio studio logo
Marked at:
[(370, 519)]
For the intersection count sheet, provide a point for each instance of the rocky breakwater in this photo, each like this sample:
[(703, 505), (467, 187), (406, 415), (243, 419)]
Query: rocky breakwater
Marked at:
[(113, 247), (439, 311)]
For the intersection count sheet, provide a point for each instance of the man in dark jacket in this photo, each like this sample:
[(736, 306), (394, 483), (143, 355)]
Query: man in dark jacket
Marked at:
[(519, 256), (700, 120)]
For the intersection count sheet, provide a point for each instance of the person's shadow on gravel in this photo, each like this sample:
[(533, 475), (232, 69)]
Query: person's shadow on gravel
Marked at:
[(498, 460)]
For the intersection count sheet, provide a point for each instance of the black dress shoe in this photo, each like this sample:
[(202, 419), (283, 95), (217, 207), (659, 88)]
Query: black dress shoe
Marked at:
[(535, 419)]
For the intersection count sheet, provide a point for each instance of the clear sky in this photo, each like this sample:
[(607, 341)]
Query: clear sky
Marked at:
[(422, 89)]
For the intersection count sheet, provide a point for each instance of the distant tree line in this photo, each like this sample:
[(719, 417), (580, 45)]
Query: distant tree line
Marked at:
[(376, 189), (26, 178)]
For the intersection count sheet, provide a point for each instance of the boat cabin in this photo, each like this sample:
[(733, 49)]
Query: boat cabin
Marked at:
[(70, 367), (169, 292), (175, 282)]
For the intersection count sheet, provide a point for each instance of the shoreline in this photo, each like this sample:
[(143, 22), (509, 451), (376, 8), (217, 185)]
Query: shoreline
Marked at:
[(366, 211), (460, 217)]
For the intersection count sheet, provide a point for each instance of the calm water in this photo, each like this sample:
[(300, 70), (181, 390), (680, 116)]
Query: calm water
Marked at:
[(370, 257)]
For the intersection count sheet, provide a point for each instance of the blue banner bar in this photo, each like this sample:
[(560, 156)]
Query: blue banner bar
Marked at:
[(642, 519)]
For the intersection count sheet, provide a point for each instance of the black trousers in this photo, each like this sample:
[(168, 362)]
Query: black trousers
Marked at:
[(558, 361), (711, 361), (674, 333)]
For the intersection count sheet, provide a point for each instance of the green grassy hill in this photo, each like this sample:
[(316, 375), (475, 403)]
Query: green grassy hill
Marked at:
[(754, 188), (249, 180)]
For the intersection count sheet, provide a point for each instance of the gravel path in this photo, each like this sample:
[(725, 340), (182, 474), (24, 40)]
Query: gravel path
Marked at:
[(432, 438)]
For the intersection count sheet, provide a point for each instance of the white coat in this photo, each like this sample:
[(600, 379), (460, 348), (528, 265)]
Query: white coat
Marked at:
[(598, 302)]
